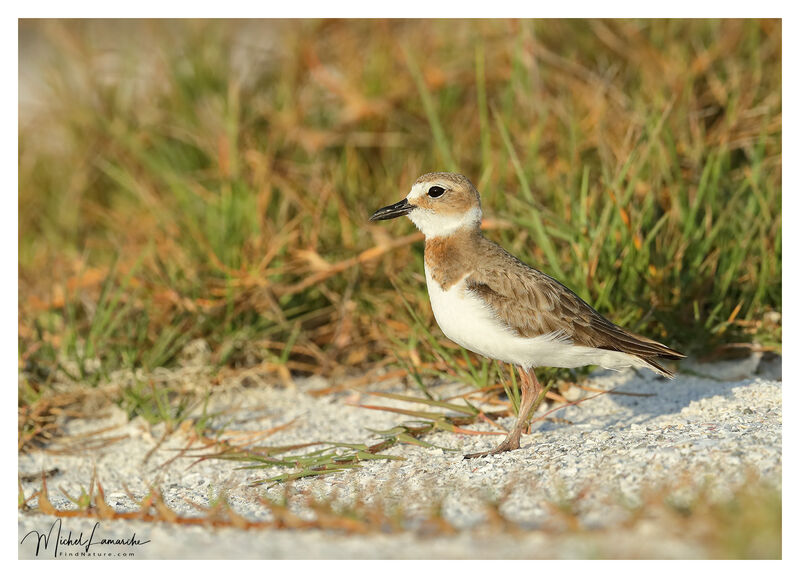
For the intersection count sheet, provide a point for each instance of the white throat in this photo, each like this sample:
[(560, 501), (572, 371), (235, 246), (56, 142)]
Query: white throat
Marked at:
[(433, 224)]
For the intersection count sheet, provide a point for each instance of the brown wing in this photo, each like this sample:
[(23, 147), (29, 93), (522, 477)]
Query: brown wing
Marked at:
[(532, 303)]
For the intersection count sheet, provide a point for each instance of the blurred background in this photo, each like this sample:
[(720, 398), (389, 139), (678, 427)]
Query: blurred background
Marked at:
[(212, 180)]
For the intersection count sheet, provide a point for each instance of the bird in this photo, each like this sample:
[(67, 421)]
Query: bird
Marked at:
[(491, 303)]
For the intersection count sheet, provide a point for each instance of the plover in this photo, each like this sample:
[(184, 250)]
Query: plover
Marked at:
[(493, 304)]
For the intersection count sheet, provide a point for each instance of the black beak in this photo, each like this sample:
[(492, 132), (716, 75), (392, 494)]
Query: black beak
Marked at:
[(392, 211)]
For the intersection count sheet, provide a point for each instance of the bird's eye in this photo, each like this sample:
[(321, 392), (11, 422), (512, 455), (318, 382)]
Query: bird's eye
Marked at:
[(435, 192)]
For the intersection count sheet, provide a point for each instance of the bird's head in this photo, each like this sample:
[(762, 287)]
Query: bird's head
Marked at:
[(439, 204)]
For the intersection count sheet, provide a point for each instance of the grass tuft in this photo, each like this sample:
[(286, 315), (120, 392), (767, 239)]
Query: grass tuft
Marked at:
[(211, 189)]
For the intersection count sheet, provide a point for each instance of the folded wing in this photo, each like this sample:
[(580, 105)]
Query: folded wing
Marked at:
[(532, 304)]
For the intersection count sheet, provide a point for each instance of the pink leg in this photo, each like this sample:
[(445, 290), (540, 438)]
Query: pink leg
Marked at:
[(531, 390)]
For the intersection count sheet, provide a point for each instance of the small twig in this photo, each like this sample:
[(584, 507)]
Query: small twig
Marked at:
[(614, 392)]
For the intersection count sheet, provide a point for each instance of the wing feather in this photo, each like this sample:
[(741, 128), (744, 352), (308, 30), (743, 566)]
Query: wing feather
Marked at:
[(532, 303)]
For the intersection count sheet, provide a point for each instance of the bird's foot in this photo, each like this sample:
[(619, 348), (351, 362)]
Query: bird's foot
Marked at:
[(508, 444)]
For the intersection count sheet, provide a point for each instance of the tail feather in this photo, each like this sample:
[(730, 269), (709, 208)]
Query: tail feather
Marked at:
[(619, 339), (660, 369), (648, 350)]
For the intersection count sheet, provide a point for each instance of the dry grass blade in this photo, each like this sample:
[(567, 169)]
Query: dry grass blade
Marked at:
[(463, 409), (613, 391), (240, 235), (229, 444), (33, 477), (745, 525), (335, 457)]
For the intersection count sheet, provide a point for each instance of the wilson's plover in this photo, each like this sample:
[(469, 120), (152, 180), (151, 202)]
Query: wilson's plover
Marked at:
[(490, 302)]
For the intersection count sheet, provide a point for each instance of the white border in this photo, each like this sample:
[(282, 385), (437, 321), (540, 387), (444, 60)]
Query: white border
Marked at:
[(413, 8)]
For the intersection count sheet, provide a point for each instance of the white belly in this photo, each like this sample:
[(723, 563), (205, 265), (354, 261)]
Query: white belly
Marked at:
[(466, 319)]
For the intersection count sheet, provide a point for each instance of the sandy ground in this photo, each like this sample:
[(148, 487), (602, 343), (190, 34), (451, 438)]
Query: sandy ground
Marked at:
[(711, 427)]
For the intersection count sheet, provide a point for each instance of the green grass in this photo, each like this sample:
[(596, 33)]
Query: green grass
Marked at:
[(211, 188)]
